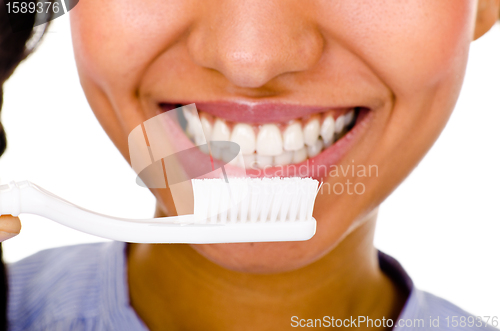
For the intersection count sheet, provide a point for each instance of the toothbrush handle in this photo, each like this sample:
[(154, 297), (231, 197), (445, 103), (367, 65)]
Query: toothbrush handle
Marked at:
[(26, 197)]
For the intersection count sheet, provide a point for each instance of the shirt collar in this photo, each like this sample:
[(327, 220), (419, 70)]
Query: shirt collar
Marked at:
[(393, 269)]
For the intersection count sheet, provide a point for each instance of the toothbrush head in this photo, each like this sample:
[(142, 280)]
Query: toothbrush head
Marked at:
[(254, 200)]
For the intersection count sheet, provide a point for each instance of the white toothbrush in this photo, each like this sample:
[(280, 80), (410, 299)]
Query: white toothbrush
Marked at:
[(245, 210)]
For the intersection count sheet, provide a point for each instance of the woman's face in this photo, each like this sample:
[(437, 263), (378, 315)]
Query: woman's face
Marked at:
[(399, 64)]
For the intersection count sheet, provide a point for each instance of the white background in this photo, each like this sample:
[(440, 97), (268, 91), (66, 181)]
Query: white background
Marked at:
[(442, 223)]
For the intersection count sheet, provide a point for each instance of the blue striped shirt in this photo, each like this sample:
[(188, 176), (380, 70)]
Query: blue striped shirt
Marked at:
[(84, 287)]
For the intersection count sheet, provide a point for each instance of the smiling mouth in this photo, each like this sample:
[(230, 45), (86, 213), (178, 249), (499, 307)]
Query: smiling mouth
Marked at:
[(266, 145)]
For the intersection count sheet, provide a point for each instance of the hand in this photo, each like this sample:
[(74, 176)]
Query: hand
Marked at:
[(10, 226)]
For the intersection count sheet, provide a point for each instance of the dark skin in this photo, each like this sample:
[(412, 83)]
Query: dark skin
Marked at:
[(215, 298)]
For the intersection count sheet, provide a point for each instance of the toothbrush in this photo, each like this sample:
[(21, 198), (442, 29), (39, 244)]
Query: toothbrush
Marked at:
[(245, 210)]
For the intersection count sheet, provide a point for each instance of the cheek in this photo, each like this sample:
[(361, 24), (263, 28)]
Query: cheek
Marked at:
[(408, 52), (116, 40), (114, 43), (420, 58)]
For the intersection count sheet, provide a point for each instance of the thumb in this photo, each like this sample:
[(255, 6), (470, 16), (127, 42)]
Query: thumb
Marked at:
[(10, 226)]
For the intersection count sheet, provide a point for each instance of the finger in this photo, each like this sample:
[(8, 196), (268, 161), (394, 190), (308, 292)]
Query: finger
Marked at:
[(10, 226)]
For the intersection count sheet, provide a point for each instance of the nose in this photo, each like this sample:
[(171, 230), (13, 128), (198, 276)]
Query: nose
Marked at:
[(252, 42)]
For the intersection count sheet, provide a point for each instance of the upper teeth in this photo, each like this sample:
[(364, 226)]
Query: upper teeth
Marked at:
[(293, 138), (339, 124), (221, 131), (244, 135), (269, 140), (271, 144), (207, 127), (327, 130), (311, 131)]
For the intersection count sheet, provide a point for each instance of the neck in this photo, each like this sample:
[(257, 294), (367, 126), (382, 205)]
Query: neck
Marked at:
[(174, 287)]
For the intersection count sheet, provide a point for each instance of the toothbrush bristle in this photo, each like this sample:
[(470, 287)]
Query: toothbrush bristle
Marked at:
[(254, 200)]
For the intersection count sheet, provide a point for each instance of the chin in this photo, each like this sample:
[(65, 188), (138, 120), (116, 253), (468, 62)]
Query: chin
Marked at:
[(265, 257)]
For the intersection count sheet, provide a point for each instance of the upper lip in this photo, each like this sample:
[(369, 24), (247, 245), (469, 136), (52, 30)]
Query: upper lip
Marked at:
[(258, 112)]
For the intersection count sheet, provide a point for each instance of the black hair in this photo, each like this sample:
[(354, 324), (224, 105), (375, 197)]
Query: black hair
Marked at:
[(13, 50)]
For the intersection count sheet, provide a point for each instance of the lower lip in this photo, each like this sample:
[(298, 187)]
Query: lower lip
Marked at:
[(316, 167)]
